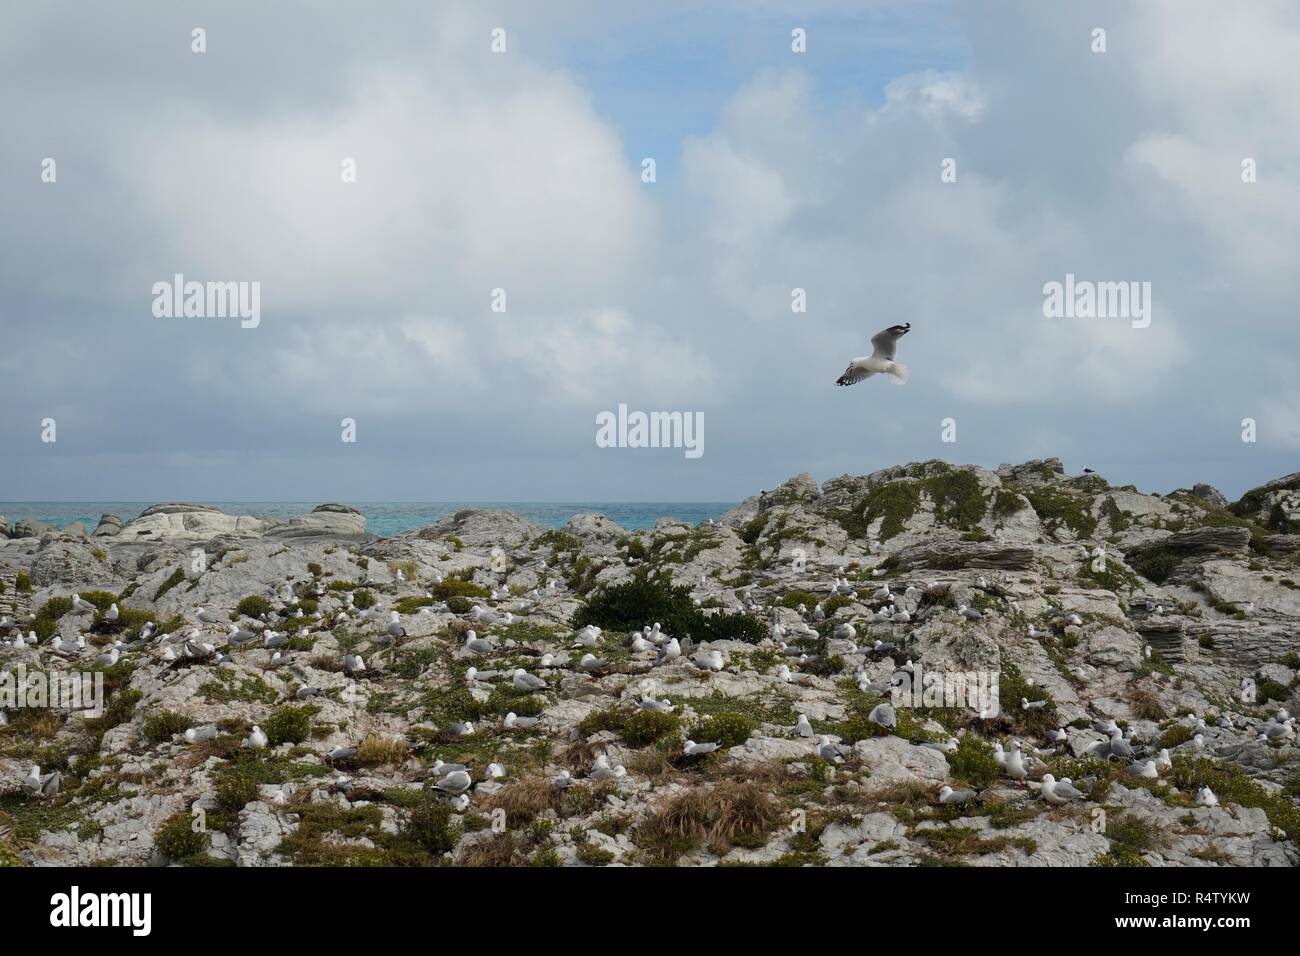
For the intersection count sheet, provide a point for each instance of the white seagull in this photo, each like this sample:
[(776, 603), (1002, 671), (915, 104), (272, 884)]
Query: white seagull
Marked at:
[(881, 360)]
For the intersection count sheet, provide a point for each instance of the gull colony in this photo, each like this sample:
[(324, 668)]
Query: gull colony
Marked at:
[(869, 618)]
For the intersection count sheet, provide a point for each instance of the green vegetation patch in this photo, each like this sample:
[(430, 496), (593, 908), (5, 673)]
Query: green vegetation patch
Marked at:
[(1056, 507)]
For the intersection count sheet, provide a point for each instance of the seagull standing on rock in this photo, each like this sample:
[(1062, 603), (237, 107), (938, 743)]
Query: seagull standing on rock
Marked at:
[(44, 786), (884, 345)]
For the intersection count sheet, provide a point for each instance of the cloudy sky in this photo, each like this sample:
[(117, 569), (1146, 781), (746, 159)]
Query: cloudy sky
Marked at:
[(522, 171)]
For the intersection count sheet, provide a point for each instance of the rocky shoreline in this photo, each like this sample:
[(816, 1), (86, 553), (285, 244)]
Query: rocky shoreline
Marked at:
[(691, 695)]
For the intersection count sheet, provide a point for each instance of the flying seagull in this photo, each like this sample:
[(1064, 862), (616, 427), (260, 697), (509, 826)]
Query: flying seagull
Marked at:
[(883, 344)]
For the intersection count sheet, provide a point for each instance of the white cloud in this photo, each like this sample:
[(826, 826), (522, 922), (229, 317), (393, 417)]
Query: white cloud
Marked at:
[(936, 96)]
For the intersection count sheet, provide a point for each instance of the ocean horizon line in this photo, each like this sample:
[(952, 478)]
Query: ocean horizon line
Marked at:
[(383, 518)]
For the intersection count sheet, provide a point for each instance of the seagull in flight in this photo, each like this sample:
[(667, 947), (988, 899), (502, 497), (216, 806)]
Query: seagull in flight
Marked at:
[(884, 345)]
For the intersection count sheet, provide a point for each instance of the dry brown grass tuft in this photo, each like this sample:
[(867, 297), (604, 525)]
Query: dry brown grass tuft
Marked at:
[(1146, 705), (377, 751), (907, 794), (579, 755), (499, 849), (523, 801), (728, 814), (677, 828), (769, 773), (409, 569), (326, 662), (651, 762), (743, 810)]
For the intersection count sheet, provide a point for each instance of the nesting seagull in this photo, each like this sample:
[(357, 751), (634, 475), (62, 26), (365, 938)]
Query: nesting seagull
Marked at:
[(478, 645), (692, 749), (457, 781), (238, 636), (832, 752), (525, 681), (881, 360), (709, 661), (949, 795), (602, 770), (109, 657), (1062, 791), (884, 716)]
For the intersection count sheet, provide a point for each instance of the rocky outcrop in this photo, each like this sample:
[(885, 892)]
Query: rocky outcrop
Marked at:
[(953, 555), (589, 526), (1274, 505), (1177, 556), (108, 526), (1210, 494), (475, 526), (1038, 472), (186, 522), (30, 528), (324, 521)]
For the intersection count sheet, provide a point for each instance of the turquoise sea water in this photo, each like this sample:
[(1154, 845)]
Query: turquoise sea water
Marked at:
[(382, 517)]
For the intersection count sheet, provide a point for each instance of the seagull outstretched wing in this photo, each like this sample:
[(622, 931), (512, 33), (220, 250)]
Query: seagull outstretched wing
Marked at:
[(852, 375), (885, 344)]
